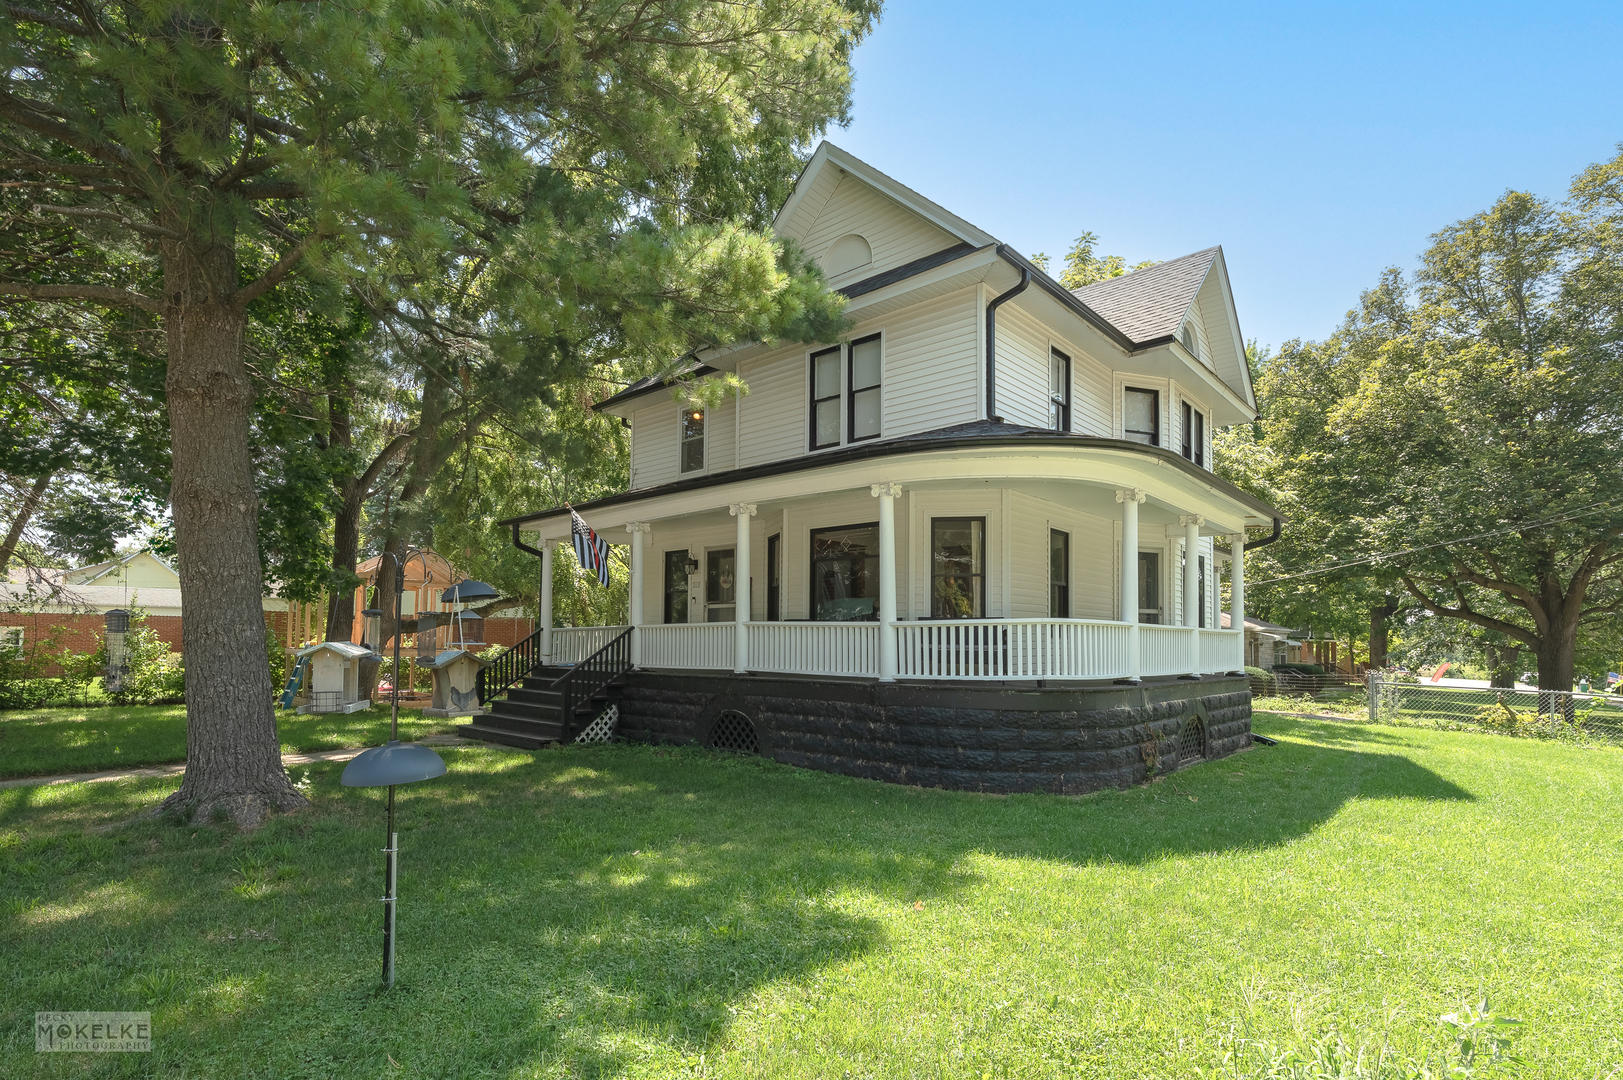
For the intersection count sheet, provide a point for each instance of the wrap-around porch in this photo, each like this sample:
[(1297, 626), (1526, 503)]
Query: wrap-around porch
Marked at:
[(782, 582)]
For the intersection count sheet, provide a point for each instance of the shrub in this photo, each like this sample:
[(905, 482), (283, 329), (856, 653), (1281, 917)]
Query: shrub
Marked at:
[(156, 674)]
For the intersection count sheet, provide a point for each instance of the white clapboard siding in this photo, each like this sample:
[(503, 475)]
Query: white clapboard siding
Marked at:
[(1090, 397), (721, 449), (654, 438), (931, 376), (1030, 548), (895, 234), (775, 408), (823, 183), (1022, 368)]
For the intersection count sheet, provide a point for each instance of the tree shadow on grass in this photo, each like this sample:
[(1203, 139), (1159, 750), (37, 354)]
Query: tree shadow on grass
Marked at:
[(584, 906)]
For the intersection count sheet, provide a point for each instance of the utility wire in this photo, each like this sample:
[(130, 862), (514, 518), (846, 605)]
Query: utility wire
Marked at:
[(1593, 508)]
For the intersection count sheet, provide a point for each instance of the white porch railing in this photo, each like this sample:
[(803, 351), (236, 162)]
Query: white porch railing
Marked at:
[(967, 649), (815, 648), (688, 646), (1012, 649), (572, 644), (1221, 650)]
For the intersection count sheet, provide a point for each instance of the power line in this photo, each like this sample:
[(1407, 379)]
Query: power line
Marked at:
[(1593, 508)]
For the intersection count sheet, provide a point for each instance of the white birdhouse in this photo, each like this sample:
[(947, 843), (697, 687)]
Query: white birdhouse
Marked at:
[(333, 677), (456, 684)]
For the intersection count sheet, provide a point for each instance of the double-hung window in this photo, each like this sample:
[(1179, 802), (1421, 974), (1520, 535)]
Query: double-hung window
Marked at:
[(1059, 390), (692, 439), (1194, 434), (825, 416), (846, 393), (1141, 416)]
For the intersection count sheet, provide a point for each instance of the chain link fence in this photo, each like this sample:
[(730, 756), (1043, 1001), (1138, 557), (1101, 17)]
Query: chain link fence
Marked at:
[(1539, 714)]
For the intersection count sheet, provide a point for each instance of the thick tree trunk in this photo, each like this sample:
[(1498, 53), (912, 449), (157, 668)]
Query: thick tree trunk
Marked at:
[(1378, 639), (25, 512), (347, 522), (233, 759), (1557, 659), (1502, 663)]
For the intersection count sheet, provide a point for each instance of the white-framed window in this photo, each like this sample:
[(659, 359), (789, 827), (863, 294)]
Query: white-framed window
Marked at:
[(846, 391), (692, 439), (11, 639), (1059, 390)]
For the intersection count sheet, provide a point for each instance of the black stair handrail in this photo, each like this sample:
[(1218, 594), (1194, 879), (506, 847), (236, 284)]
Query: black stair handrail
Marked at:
[(592, 674), (509, 667)]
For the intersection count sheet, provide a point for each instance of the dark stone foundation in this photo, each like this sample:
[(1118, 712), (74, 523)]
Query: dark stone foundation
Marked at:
[(983, 737)]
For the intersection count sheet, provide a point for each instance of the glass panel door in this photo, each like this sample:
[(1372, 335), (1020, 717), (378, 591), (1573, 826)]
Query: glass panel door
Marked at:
[(720, 595), (774, 579), (676, 586), (1059, 574)]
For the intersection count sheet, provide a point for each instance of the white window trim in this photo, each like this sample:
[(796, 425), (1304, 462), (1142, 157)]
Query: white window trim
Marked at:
[(12, 639), (1165, 391), (704, 439)]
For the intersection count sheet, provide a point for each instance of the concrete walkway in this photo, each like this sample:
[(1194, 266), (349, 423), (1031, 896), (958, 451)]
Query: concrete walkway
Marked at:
[(154, 771)]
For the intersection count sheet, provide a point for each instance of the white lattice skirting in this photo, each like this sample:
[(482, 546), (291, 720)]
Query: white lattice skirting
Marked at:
[(601, 729)]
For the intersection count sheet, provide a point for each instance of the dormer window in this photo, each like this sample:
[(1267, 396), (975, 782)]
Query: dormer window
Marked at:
[(1141, 416), (692, 449), (1194, 435)]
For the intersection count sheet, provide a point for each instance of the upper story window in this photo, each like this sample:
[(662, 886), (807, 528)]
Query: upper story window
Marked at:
[(1059, 390), (1141, 416), (1194, 434), (692, 450), (852, 374)]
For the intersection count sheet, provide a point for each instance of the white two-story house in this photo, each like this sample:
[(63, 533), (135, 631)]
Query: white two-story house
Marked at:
[(992, 480)]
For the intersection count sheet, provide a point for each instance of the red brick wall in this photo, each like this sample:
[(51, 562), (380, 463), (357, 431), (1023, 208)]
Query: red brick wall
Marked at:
[(84, 633)]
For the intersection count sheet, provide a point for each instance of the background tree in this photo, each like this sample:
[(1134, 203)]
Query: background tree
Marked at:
[(198, 155), (1083, 267), (1456, 440)]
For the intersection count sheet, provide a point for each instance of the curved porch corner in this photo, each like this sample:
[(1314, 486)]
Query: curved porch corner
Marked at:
[(990, 737)]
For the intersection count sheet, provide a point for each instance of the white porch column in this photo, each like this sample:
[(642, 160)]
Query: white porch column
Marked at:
[(638, 530), (741, 586), (886, 494), (1129, 499), (1237, 588), (546, 602), (1191, 585)]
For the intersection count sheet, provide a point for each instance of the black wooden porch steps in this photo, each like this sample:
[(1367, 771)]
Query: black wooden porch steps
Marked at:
[(529, 716)]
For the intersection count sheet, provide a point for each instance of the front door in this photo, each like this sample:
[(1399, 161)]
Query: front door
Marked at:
[(720, 585), (676, 586)]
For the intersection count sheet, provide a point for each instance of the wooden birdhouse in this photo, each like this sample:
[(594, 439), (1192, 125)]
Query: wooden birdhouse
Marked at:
[(332, 677)]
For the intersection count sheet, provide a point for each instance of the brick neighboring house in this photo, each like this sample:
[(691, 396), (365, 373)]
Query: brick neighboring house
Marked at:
[(428, 575), (35, 603)]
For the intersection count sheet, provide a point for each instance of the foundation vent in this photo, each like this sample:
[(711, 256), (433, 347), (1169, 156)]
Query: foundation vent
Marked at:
[(1192, 742), (734, 731)]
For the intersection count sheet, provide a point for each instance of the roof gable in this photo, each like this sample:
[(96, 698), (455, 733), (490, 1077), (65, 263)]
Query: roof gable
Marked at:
[(840, 198), (138, 570)]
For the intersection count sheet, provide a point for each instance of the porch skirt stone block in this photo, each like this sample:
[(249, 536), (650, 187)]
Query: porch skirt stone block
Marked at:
[(998, 738)]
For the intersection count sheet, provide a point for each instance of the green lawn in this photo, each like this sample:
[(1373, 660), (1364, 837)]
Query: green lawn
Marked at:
[(41, 742), (632, 912)]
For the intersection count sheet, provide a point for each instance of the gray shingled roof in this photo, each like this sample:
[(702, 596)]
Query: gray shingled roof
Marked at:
[(1149, 304)]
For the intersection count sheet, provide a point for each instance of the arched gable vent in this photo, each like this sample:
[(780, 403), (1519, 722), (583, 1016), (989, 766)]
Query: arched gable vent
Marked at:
[(850, 252)]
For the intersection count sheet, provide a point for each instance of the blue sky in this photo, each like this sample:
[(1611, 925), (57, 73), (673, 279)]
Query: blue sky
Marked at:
[(1317, 144)]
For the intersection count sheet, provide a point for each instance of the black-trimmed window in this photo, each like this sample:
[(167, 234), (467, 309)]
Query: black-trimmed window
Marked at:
[(692, 439), (676, 586), (1059, 574), (845, 573), (1149, 587), (825, 406), (1059, 390), (774, 577), (1141, 415), (1200, 592), (1194, 434), (957, 568), (863, 398)]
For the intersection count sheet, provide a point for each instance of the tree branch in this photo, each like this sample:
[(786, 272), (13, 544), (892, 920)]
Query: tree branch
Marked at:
[(270, 278), (22, 14), (1509, 629), (104, 293), (118, 219)]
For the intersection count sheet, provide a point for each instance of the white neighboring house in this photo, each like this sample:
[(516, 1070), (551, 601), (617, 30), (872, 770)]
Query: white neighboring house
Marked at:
[(992, 478)]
